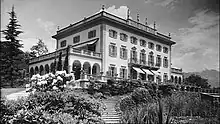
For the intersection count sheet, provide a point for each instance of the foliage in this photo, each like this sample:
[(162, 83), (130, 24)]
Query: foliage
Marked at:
[(114, 87), (39, 49), (59, 63), (65, 65), (10, 51), (49, 82), (196, 80), (189, 104), (140, 107), (52, 107)]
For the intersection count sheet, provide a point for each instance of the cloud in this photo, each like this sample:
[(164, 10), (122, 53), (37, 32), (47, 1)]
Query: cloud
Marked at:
[(197, 46), (121, 11), (164, 3), (48, 26)]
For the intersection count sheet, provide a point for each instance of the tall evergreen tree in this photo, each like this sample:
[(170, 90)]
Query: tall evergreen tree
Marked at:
[(59, 64), (65, 66), (11, 53)]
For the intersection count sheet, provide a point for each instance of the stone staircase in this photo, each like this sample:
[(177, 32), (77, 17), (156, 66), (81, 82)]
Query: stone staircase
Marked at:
[(110, 116)]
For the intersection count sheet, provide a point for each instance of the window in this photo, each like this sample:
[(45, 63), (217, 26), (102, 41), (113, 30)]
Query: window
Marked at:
[(112, 34), (158, 61), (92, 34), (150, 45), (133, 56), (158, 48), (76, 39), (142, 58), (133, 40), (165, 62), (63, 43), (112, 71), (123, 53), (165, 77), (151, 59), (165, 49), (123, 37), (142, 43), (123, 72), (112, 50)]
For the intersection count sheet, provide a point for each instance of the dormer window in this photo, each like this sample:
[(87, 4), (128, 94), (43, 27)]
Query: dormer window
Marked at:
[(133, 40), (150, 45), (92, 34), (123, 37), (63, 43), (76, 39), (112, 34), (142, 43)]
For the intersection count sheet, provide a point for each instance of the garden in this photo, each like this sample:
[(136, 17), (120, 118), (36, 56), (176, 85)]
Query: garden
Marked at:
[(51, 102), (54, 99)]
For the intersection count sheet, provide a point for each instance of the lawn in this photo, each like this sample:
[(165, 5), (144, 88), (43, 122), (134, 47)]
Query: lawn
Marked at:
[(7, 91)]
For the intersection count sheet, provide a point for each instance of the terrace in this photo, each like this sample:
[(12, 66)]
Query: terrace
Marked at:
[(143, 64), (72, 51)]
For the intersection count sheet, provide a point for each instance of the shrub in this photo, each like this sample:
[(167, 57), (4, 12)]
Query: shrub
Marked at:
[(46, 107)]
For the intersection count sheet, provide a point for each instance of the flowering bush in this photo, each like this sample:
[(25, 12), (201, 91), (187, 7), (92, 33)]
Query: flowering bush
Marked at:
[(50, 81), (66, 106)]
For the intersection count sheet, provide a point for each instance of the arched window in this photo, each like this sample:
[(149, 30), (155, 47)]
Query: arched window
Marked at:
[(133, 56), (151, 59), (179, 80), (142, 57)]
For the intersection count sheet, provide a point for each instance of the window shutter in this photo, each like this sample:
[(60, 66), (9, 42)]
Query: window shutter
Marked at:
[(115, 71), (115, 51), (109, 71), (125, 74), (109, 50), (121, 56), (163, 62), (126, 54), (121, 73)]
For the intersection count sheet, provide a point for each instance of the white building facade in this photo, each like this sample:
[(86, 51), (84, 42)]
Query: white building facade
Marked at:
[(176, 75), (106, 45)]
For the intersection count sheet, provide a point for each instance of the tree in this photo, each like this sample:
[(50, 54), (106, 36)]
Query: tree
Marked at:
[(197, 80), (10, 52), (39, 49), (59, 64), (65, 66)]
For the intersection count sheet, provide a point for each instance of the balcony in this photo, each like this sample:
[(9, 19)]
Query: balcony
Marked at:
[(175, 70), (143, 64), (72, 50), (85, 53)]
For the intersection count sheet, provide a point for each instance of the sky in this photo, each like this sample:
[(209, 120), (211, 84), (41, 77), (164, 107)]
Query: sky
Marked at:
[(193, 24)]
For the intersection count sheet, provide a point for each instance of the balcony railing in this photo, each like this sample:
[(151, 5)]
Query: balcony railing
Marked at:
[(176, 70), (47, 56), (72, 50), (86, 52), (143, 62)]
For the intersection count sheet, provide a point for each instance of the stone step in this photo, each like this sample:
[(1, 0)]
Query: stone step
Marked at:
[(114, 118), (110, 115)]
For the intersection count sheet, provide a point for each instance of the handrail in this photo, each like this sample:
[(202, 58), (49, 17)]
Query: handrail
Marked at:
[(72, 50)]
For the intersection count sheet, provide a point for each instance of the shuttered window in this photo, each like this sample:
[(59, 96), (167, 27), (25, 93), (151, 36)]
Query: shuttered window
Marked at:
[(123, 53), (112, 50), (123, 72), (112, 71), (112, 34), (133, 40)]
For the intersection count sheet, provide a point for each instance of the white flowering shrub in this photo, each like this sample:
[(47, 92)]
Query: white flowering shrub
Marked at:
[(50, 81)]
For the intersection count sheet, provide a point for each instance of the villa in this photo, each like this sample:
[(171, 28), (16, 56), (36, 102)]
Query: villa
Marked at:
[(106, 45)]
